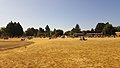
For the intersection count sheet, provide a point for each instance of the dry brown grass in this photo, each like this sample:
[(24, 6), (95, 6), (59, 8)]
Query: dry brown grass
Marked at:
[(64, 53)]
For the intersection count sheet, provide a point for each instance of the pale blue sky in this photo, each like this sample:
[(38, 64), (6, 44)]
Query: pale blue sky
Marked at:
[(61, 14)]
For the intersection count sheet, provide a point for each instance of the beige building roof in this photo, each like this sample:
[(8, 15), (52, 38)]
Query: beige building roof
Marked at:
[(117, 33)]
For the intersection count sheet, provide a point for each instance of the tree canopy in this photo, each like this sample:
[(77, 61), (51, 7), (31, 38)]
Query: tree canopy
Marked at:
[(59, 32), (118, 28), (99, 27), (47, 28), (14, 29), (108, 30), (31, 32), (76, 29)]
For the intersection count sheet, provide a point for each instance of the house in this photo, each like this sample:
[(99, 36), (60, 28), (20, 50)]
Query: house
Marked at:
[(117, 34), (94, 35), (78, 34), (88, 34)]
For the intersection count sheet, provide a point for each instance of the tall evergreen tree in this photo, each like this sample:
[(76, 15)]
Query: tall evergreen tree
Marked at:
[(92, 29), (10, 29), (76, 29), (47, 30), (14, 29), (18, 29), (20, 33)]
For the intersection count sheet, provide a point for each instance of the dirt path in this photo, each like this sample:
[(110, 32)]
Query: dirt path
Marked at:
[(5, 45)]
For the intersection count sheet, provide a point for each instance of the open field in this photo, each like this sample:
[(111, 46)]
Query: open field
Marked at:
[(64, 53)]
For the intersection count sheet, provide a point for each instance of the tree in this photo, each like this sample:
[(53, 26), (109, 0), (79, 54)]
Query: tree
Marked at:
[(19, 30), (31, 32), (47, 30), (107, 23), (118, 28), (59, 32), (3, 32), (0, 32), (76, 29), (99, 27), (41, 32), (14, 29), (53, 32), (35, 33), (92, 30), (10, 29), (67, 33), (108, 30)]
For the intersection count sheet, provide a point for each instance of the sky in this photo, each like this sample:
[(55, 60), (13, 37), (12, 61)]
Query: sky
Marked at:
[(60, 14)]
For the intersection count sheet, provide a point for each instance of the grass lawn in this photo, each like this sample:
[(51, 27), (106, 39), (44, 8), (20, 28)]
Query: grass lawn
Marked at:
[(64, 53)]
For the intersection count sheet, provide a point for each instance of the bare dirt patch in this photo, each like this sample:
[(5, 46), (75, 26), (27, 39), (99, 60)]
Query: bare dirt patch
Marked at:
[(5, 45)]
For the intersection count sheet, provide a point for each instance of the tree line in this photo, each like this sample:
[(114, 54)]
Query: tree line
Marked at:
[(107, 28), (14, 29)]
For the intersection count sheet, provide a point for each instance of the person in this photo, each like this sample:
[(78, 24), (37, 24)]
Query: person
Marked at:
[(83, 38), (80, 38)]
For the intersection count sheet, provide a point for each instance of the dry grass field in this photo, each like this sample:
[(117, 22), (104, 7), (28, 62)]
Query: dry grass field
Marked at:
[(64, 53)]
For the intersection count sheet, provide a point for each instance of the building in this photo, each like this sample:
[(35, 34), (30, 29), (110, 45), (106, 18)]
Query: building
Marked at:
[(78, 34), (117, 34), (94, 35), (88, 34)]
